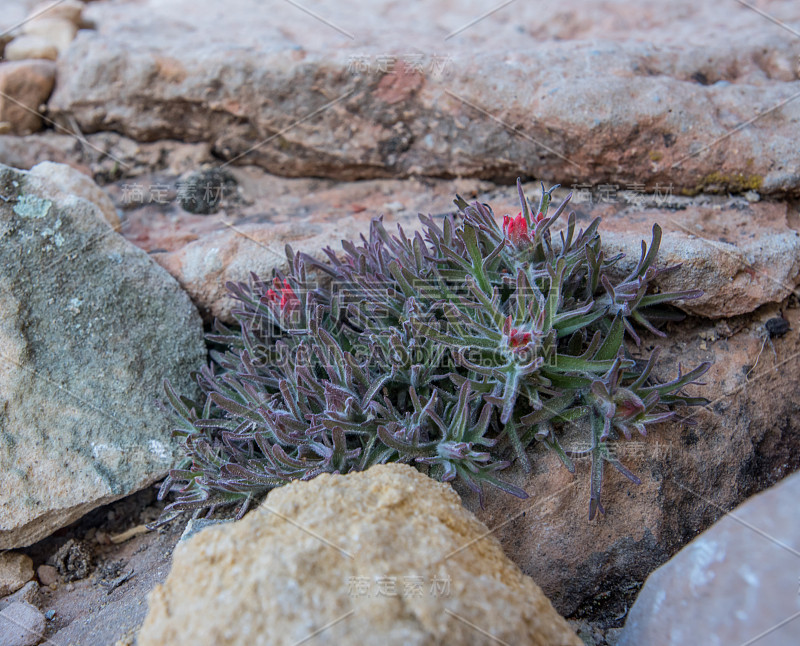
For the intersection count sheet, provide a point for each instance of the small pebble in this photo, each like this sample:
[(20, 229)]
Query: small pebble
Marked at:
[(48, 575), (50, 614)]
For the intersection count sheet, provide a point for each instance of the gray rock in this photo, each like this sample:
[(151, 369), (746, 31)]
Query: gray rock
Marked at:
[(89, 329), (61, 180), (733, 583), (21, 624)]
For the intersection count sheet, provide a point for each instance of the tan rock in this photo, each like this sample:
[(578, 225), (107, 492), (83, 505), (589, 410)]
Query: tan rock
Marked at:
[(15, 571), (382, 557), (29, 593), (58, 31), (25, 46), (25, 86), (576, 92), (60, 180), (70, 10), (204, 267), (48, 575), (742, 255)]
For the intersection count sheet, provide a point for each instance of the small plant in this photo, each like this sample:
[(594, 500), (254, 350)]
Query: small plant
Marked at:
[(453, 349)]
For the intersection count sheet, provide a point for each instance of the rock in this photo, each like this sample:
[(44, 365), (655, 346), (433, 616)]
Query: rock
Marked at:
[(387, 556), (29, 593), (733, 583), (58, 31), (740, 255), (300, 98), (48, 575), (23, 47), (198, 524), (105, 156), (69, 10), (68, 181), (15, 571), (21, 624), (745, 440), (205, 266), (24, 86), (89, 329)]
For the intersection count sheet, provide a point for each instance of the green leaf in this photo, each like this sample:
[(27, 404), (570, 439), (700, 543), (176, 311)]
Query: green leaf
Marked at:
[(613, 341)]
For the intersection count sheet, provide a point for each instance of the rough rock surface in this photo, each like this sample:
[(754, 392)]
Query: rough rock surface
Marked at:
[(745, 440), (89, 329), (28, 46), (741, 254), (29, 593), (24, 87), (15, 571), (387, 556), (21, 624), (60, 180), (614, 92), (733, 583)]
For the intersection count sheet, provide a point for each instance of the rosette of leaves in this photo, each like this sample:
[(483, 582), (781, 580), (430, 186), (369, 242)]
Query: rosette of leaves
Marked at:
[(454, 349)]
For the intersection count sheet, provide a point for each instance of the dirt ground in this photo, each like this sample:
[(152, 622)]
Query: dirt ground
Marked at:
[(107, 602)]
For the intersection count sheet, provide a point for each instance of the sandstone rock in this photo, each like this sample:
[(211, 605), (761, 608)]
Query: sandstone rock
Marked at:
[(70, 10), (58, 31), (60, 180), (90, 327), (733, 583), (203, 253), (356, 558), (588, 93), (104, 155), (21, 624), (15, 571), (205, 266), (743, 441), (29, 593), (23, 47), (24, 86), (742, 255)]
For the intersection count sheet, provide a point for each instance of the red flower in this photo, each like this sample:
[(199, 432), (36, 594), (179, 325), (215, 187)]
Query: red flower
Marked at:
[(516, 229), (281, 295), (517, 339)]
